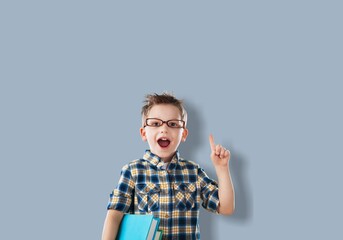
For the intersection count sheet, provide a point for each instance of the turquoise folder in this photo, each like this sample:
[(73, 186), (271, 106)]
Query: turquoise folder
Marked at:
[(138, 227)]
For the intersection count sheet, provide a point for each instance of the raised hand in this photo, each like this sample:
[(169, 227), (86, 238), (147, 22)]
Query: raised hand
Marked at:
[(220, 156)]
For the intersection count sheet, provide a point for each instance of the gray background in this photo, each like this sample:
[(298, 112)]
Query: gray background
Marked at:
[(263, 76)]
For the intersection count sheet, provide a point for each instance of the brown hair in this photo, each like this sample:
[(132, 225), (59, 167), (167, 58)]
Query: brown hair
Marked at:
[(164, 98)]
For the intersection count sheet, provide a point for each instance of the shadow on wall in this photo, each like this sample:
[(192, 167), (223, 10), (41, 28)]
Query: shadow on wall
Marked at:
[(238, 169), (243, 193)]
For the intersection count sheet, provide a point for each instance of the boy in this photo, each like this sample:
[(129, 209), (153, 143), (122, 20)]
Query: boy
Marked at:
[(164, 184)]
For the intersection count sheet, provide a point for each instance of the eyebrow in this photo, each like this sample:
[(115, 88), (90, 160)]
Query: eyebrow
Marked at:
[(162, 119)]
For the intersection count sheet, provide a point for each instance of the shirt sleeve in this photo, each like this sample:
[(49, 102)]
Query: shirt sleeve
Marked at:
[(208, 192), (121, 197)]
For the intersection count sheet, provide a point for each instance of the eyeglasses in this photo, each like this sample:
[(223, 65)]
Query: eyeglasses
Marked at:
[(155, 122)]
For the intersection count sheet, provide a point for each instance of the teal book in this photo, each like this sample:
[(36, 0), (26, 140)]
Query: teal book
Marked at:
[(158, 235), (138, 227)]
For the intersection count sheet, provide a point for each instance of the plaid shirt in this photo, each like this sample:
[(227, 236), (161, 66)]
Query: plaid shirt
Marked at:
[(172, 194)]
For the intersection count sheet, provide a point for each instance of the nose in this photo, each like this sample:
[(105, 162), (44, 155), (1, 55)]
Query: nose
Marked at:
[(164, 127)]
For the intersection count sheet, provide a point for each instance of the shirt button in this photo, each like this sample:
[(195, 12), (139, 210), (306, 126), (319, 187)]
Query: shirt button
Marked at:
[(166, 215)]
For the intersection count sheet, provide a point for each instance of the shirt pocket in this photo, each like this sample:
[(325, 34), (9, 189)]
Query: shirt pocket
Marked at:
[(147, 196), (185, 195)]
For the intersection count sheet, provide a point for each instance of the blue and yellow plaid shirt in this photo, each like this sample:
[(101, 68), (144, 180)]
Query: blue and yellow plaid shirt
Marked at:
[(173, 194)]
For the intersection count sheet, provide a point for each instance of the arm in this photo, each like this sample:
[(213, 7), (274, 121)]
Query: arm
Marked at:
[(111, 225), (220, 158), (119, 203)]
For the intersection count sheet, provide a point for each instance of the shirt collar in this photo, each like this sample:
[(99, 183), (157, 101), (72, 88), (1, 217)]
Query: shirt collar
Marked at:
[(157, 161)]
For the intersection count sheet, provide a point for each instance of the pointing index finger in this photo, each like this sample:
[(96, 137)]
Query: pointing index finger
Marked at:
[(212, 143)]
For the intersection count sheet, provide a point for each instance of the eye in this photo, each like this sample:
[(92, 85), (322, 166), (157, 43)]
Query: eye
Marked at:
[(172, 124), (154, 122), (175, 124)]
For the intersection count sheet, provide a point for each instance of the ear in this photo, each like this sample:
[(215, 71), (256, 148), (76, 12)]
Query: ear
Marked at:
[(143, 134), (184, 134)]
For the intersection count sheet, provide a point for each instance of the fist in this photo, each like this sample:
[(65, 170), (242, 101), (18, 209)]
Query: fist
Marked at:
[(220, 156)]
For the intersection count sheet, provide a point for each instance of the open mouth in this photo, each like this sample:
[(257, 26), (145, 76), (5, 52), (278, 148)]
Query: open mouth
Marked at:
[(163, 142)]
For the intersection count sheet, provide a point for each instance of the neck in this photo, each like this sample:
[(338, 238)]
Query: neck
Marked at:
[(167, 159)]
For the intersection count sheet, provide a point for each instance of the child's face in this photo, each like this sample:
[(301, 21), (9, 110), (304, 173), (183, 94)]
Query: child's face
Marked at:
[(163, 140)]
